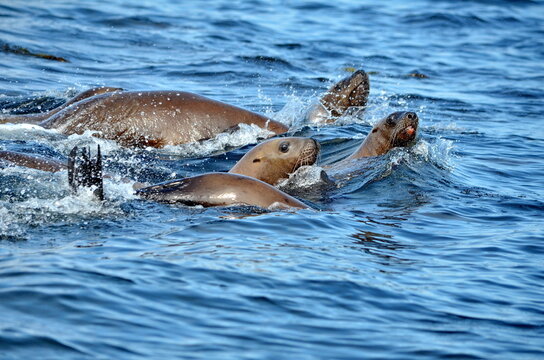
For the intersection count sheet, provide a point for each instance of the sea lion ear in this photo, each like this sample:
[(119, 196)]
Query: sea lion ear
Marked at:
[(256, 160)]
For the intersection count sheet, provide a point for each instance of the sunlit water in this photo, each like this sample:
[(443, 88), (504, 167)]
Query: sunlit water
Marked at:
[(435, 251)]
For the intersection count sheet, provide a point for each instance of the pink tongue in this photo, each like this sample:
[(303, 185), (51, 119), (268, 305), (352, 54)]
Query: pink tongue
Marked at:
[(410, 130)]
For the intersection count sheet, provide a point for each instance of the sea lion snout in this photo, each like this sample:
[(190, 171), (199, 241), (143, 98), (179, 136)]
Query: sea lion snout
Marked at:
[(411, 116), (309, 154), (411, 119), (407, 128)]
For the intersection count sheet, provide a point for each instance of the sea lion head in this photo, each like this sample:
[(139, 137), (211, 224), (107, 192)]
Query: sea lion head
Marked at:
[(275, 159), (398, 129), (401, 126)]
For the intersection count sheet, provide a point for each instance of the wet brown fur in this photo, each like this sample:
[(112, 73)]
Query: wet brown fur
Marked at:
[(267, 161), (388, 133)]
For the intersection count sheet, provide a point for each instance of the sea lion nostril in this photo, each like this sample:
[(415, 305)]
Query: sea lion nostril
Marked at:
[(411, 115)]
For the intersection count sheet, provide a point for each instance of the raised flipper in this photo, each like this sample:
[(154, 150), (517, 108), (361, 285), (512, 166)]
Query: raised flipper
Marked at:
[(84, 171)]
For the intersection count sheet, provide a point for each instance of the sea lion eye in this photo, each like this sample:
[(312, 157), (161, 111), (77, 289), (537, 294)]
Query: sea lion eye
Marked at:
[(284, 147)]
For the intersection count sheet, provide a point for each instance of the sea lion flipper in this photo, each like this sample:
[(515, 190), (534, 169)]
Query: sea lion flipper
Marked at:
[(84, 171)]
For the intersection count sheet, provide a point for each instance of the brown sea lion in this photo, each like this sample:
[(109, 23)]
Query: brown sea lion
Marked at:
[(150, 118), (220, 189), (160, 118), (396, 130), (270, 161), (154, 118), (352, 91), (273, 160), (211, 189)]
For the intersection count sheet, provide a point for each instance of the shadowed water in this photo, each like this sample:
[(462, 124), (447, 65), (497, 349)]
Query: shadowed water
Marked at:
[(429, 252)]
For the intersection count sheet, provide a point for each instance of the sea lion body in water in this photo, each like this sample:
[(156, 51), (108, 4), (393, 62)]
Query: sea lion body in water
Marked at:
[(154, 118), (271, 161), (31, 161), (211, 189), (160, 118), (220, 189)]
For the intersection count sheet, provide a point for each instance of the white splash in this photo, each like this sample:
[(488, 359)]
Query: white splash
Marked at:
[(305, 177), (437, 152), (246, 134)]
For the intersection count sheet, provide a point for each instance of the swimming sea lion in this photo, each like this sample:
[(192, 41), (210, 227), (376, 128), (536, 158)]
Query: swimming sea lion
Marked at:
[(211, 189), (154, 118), (160, 118), (349, 92), (273, 160), (220, 189), (396, 130), (270, 161)]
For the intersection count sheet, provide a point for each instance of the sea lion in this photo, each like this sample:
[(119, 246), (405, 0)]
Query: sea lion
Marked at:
[(220, 189), (273, 160), (150, 118), (160, 118), (154, 118), (211, 189), (352, 91), (398, 129)]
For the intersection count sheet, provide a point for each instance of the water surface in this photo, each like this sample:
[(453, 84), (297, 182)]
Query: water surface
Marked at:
[(435, 252)]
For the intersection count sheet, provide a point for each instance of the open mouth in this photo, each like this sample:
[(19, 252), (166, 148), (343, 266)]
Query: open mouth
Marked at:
[(410, 131), (406, 135)]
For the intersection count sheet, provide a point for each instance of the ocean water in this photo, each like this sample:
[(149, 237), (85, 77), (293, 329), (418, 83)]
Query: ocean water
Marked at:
[(433, 252)]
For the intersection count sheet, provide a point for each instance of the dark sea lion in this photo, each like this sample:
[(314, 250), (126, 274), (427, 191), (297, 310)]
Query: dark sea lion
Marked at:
[(273, 160), (398, 129), (220, 189), (349, 92)]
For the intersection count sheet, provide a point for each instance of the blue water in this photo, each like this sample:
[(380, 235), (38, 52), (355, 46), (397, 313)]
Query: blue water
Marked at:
[(433, 252)]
